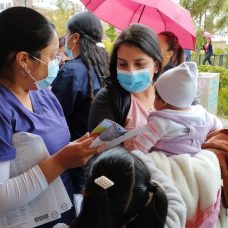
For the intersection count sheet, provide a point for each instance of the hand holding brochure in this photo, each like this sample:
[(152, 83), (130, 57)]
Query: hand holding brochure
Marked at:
[(112, 134)]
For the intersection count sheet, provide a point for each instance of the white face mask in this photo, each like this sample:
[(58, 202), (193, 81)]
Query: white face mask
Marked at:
[(53, 67)]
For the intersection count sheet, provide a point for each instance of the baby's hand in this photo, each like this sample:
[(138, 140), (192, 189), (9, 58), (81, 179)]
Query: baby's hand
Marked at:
[(130, 144)]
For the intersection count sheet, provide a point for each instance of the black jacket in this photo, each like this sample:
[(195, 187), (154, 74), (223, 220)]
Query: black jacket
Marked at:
[(111, 102), (210, 49)]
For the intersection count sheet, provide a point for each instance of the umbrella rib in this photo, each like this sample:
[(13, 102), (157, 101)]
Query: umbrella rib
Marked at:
[(141, 13), (134, 13), (90, 1), (162, 19)]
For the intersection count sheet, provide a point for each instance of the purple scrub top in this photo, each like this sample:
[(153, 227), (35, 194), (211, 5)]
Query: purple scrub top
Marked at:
[(47, 121)]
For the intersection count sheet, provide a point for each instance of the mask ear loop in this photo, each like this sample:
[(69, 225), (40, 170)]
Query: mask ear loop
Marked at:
[(29, 73), (74, 41), (23, 74)]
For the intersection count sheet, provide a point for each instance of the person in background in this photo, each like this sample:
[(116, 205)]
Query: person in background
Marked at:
[(79, 79), (208, 49), (172, 52), (127, 190), (177, 126), (187, 54), (134, 67), (25, 106), (62, 51)]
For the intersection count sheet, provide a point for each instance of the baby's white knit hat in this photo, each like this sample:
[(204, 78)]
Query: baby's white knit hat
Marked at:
[(178, 86)]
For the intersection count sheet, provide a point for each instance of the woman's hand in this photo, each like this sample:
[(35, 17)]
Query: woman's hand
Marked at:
[(77, 153), (130, 144)]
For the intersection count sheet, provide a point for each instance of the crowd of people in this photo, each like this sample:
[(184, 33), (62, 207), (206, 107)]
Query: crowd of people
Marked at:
[(145, 83)]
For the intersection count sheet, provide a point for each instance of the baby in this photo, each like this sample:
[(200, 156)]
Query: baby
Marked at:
[(177, 126)]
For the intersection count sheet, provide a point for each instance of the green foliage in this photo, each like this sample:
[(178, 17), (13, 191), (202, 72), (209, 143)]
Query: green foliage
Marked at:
[(108, 45), (218, 51), (208, 15), (223, 87), (111, 35), (223, 81), (226, 50), (110, 32), (200, 41), (223, 102), (60, 16)]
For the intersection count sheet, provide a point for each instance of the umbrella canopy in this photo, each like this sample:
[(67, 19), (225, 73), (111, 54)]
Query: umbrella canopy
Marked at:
[(159, 15)]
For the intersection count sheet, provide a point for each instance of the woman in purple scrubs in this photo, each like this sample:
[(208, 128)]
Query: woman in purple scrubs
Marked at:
[(28, 47)]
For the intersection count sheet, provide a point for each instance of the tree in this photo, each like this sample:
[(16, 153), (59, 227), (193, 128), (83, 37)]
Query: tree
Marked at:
[(208, 15), (110, 32), (60, 16)]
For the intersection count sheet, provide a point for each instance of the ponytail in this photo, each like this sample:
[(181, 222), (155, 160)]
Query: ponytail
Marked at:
[(95, 58), (155, 209), (95, 211)]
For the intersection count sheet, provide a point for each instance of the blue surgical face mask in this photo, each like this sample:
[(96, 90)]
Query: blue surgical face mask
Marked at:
[(135, 81), (67, 50), (53, 67)]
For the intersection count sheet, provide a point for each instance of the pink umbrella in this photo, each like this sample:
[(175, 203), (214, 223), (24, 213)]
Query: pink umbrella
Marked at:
[(160, 15)]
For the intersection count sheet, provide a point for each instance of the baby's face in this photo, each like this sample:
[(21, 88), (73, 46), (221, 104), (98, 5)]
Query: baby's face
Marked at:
[(159, 104)]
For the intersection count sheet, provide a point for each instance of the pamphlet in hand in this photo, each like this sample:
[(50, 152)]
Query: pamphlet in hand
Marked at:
[(112, 134)]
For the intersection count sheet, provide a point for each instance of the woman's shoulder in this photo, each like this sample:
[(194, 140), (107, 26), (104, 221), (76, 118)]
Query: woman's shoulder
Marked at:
[(73, 68), (46, 96), (44, 93), (113, 92), (8, 101), (102, 96)]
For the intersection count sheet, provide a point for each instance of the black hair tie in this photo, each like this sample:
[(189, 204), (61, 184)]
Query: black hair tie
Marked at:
[(154, 185)]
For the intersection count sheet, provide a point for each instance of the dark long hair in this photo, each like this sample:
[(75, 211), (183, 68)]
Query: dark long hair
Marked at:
[(143, 38), (174, 45), (22, 29), (133, 201), (91, 32)]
